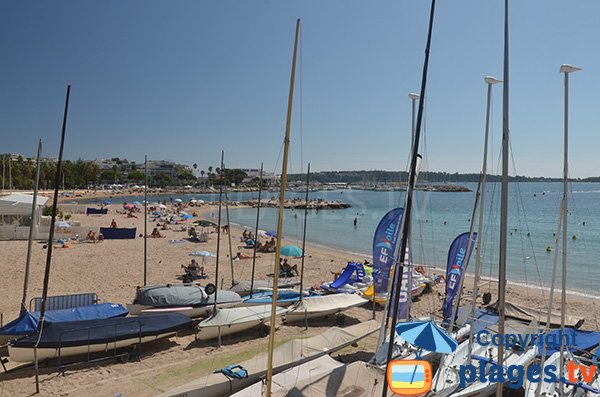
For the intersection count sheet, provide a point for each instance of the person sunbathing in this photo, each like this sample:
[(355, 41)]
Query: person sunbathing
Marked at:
[(156, 233), (288, 269), (91, 236), (239, 256)]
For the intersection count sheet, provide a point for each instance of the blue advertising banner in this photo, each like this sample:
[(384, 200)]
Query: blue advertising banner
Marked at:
[(458, 259), (384, 246)]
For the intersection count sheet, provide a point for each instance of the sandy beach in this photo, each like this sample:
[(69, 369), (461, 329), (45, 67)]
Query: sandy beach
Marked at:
[(114, 268)]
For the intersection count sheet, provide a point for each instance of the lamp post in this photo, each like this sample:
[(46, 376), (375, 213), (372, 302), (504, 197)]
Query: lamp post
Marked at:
[(566, 70)]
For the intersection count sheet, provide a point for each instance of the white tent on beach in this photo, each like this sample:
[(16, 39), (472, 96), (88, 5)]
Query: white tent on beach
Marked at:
[(17, 205)]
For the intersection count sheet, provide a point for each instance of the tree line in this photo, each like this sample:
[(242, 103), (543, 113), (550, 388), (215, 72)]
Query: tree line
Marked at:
[(19, 173)]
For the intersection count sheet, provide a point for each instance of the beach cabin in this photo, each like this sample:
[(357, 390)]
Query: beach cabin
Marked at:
[(15, 215)]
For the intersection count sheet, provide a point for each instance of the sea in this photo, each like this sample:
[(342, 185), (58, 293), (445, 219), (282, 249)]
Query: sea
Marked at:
[(438, 217)]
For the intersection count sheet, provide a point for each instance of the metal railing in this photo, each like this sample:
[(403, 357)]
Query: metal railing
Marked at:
[(60, 302)]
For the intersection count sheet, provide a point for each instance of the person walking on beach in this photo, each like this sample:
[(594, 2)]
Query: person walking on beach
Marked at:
[(113, 224)]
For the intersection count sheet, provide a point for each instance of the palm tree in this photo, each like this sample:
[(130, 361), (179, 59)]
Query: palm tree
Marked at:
[(202, 173), (195, 166)]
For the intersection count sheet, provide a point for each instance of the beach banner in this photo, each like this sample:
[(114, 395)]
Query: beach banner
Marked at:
[(405, 289), (458, 260), (384, 246)]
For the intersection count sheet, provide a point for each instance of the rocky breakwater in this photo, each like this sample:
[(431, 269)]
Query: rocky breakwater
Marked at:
[(301, 204)]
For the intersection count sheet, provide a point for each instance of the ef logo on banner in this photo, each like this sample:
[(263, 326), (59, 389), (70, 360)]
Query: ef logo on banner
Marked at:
[(409, 377)]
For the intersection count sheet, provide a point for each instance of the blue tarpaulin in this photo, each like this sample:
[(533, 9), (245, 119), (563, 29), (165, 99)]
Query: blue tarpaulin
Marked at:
[(76, 333), (576, 341), (114, 233), (96, 211), (28, 321)]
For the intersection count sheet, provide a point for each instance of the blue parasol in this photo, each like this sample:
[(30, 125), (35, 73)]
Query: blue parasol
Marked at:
[(291, 250), (426, 335), (272, 233)]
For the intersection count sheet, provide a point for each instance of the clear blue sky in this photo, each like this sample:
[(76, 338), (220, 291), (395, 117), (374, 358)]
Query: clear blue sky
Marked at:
[(182, 80)]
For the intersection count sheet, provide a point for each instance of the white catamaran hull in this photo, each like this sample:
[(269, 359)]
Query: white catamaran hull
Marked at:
[(207, 333), (25, 354)]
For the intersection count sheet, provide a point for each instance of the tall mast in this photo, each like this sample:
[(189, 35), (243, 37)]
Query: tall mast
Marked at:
[(145, 219), (304, 232), (503, 200), (229, 235), (219, 233), (256, 231), (399, 266), (481, 192), (32, 227), (288, 126), (51, 235), (566, 69)]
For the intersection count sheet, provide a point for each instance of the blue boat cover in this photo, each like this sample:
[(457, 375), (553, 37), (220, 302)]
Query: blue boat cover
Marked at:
[(77, 333), (483, 319), (96, 211), (114, 233), (27, 322), (579, 341)]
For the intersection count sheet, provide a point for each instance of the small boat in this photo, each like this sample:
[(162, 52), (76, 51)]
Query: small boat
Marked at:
[(243, 287), (286, 356), (350, 280), (285, 297), (233, 320), (27, 322), (188, 299), (322, 306), (91, 336)]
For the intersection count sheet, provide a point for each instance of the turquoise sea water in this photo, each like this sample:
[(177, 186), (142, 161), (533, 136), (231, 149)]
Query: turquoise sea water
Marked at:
[(439, 217)]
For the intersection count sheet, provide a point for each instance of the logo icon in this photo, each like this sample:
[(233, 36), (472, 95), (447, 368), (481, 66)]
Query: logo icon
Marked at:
[(409, 377)]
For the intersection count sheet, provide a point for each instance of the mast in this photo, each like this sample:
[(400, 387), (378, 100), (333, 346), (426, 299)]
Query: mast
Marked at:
[(399, 267), (51, 235), (256, 231), (566, 69), (304, 232), (229, 235), (503, 200), (288, 126), (219, 233), (145, 218), (481, 192), (32, 227)]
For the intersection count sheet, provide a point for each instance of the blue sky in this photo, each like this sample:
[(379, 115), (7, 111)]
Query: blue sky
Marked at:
[(182, 80)]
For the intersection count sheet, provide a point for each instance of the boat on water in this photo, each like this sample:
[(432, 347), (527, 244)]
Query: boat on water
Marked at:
[(286, 356), (90, 336), (188, 299), (233, 320)]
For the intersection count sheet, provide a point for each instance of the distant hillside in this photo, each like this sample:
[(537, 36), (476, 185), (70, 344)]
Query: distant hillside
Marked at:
[(370, 177)]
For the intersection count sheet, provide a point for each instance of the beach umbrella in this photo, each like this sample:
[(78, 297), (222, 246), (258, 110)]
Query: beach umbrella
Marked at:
[(137, 203), (200, 201), (62, 224), (162, 206), (177, 200), (194, 201), (185, 216), (272, 233), (426, 335), (128, 206), (107, 202), (291, 250)]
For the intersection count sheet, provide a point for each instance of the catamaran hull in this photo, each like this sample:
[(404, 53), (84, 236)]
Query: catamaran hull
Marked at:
[(25, 354), (207, 333), (192, 312)]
